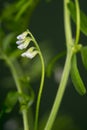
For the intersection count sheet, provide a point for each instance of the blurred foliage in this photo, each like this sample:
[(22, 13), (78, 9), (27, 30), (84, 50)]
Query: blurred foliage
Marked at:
[(62, 122), (16, 17), (76, 78), (84, 56), (14, 14), (83, 18)]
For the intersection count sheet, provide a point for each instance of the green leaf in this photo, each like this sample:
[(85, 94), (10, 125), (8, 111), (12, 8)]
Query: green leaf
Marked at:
[(84, 56), (10, 101), (52, 63), (19, 4), (76, 78), (26, 100), (7, 40), (23, 9), (83, 17)]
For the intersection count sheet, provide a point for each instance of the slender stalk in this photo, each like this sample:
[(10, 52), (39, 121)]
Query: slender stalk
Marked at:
[(25, 119), (39, 94), (16, 78), (14, 73), (77, 21), (67, 24), (41, 83), (66, 71), (60, 92)]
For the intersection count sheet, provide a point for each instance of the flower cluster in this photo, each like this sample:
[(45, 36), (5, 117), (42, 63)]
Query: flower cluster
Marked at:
[(23, 40)]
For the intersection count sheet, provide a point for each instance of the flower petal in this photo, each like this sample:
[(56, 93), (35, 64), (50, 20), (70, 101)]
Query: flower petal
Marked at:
[(19, 42), (31, 53), (21, 46), (24, 43), (22, 36)]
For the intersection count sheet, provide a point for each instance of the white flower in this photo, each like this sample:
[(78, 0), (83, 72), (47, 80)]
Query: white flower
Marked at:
[(22, 44), (22, 36), (19, 42), (23, 41), (30, 53)]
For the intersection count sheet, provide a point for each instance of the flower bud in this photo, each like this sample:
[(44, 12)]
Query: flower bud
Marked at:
[(22, 36), (22, 44), (30, 53)]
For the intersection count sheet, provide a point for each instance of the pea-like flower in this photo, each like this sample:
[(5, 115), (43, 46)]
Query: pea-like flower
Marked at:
[(30, 53), (22, 36), (23, 41), (22, 44)]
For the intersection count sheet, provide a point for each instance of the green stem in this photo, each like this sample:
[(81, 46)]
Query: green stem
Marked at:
[(16, 78), (40, 93), (67, 25), (77, 21), (25, 119), (14, 73), (41, 84), (66, 71), (60, 92)]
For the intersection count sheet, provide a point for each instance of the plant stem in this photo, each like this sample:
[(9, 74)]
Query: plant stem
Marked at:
[(40, 93), (67, 25), (66, 71), (60, 92), (14, 73), (25, 119), (41, 84), (77, 21), (16, 78)]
